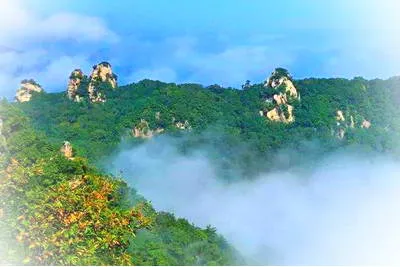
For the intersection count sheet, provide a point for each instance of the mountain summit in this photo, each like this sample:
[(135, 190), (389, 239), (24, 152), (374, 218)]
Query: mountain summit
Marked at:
[(284, 94), (93, 87), (24, 93)]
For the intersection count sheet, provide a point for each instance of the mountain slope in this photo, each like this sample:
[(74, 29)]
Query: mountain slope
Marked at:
[(226, 119), (61, 211), (233, 125)]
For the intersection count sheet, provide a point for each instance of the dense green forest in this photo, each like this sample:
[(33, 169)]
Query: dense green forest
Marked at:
[(226, 120), (58, 211), (62, 211)]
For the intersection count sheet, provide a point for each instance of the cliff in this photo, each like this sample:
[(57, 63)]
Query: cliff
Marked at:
[(24, 93), (95, 86), (284, 94), (75, 80), (101, 74)]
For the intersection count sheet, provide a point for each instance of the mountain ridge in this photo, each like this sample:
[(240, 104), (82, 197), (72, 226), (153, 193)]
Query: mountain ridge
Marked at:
[(328, 115)]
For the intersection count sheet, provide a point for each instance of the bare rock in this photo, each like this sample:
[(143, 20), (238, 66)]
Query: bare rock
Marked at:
[(24, 94), (281, 81), (73, 84), (102, 73), (365, 124), (143, 130), (67, 150), (339, 115), (183, 125)]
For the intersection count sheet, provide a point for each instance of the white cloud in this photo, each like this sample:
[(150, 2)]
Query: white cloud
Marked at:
[(13, 18), (342, 211), (53, 75), (13, 62), (57, 71), (19, 25), (24, 36), (74, 26)]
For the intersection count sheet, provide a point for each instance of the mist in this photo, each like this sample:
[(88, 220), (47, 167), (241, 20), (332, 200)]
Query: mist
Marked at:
[(341, 211)]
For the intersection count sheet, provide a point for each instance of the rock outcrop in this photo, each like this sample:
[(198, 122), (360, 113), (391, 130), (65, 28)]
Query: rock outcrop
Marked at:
[(281, 115), (75, 80), (143, 130), (348, 121), (101, 78), (67, 150), (339, 115), (24, 93), (365, 124), (183, 125), (282, 110), (103, 72), (281, 77)]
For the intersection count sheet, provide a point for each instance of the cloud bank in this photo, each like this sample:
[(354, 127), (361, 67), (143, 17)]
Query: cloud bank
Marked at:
[(344, 210)]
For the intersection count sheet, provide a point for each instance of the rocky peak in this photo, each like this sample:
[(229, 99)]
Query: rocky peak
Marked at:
[(282, 110), (73, 84), (103, 72), (24, 93), (101, 75), (365, 124), (277, 77)]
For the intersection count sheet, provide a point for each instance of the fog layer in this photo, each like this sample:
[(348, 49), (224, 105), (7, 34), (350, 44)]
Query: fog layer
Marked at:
[(345, 210)]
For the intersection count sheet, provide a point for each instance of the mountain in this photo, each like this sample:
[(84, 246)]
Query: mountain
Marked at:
[(61, 207), (57, 209), (92, 87), (27, 89), (280, 113)]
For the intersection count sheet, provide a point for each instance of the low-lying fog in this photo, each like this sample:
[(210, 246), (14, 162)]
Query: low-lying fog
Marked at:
[(344, 211)]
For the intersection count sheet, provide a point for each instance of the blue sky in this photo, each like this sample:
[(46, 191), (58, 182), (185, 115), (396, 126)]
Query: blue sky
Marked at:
[(209, 41)]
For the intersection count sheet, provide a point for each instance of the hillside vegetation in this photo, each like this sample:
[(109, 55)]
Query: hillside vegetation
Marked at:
[(59, 209), (227, 120)]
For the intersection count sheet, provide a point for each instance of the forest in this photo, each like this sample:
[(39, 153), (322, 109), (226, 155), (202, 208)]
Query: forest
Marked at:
[(72, 212)]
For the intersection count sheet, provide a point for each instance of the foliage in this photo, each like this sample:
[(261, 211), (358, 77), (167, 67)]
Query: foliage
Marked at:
[(56, 211), (280, 72), (176, 242), (225, 121), (233, 115)]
